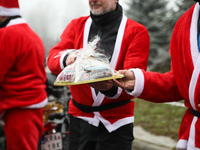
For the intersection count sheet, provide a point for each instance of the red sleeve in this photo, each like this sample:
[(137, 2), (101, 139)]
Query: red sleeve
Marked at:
[(135, 49), (5, 64), (138, 50), (67, 42), (160, 87)]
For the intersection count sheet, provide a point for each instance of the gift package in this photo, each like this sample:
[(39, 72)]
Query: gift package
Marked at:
[(91, 65)]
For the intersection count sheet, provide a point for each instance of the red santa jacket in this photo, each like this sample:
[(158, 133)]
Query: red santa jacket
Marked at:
[(182, 82), (22, 77), (131, 50)]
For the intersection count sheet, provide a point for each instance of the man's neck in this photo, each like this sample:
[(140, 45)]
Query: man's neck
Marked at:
[(7, 20)]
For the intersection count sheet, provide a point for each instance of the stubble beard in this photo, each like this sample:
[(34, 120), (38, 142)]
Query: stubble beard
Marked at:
[(99, 11)]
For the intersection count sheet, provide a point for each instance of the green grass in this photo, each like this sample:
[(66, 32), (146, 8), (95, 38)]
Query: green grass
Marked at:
[(159, 119)]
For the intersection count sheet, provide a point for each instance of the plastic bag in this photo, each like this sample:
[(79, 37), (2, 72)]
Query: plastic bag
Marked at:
[(91, 65)]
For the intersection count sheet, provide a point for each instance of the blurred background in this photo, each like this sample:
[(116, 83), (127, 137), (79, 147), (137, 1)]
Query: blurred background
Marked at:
[(48, 18)]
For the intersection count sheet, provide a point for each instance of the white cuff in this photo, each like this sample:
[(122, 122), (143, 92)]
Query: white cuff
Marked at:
[(182, 144), (139, 83), (64, 53)]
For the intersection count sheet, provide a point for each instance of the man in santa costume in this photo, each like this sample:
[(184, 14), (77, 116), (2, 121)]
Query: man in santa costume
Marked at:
[(22, 79), (182, 82), (93, 123)]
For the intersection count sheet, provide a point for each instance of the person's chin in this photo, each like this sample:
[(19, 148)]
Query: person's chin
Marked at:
[(97, 12)]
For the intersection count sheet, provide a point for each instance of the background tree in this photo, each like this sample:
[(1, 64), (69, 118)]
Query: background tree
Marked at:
[(159, 21)]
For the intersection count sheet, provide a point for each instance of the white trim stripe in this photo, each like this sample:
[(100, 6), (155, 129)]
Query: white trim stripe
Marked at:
[(86, 31), (193, 83), (193, 34), (115, 56), (38, 105), (191, 140), (195, 55), (62, 58), (139, 83), (16, 21), (182, 145), (93, 121), (98, 99), (112, 127), (189, 144), (9, 11), (118, 42)]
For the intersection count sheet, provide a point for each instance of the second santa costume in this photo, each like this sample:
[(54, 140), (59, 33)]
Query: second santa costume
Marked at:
[(182, 82)]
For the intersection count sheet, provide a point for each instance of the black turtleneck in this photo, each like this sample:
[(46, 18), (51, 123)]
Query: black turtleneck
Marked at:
[(3, 24), (106, 26)]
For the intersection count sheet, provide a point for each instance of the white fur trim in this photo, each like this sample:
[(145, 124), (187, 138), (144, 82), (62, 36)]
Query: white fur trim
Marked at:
[(139, 83), (9, 11), (195, 54), (112, 127), (191, 140), (98, 99), (39, 105), (118, 42), (16, 21), (193, 82), (86, 31), (63, 54), (193, 34), (116, 51), (190, 143), (182, 145), (93, 121)]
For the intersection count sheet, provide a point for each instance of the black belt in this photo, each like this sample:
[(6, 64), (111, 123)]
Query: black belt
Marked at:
[(195, 113), (86, 108)]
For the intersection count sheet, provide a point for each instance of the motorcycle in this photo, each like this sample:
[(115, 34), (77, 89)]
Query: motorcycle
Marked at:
[(55, 116)]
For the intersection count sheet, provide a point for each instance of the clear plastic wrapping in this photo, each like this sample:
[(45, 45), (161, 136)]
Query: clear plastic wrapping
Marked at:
[(91, 65)]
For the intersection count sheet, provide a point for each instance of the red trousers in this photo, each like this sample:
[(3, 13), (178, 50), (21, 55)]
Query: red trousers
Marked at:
[(23, 128)]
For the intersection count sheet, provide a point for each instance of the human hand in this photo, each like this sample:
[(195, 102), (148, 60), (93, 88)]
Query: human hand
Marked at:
[(199, 105), (102, 85), (127, 82), (72, 57)]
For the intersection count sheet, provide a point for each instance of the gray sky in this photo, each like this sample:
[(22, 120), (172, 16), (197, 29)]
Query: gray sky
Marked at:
[(48, 18)]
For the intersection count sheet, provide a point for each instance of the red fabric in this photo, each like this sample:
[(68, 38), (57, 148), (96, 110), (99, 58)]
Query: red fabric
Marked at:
[(197, 133), (160, 88), (23, 128), (185, 127), (23, 76), (175, 85), (9, 3), (134, 53)]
